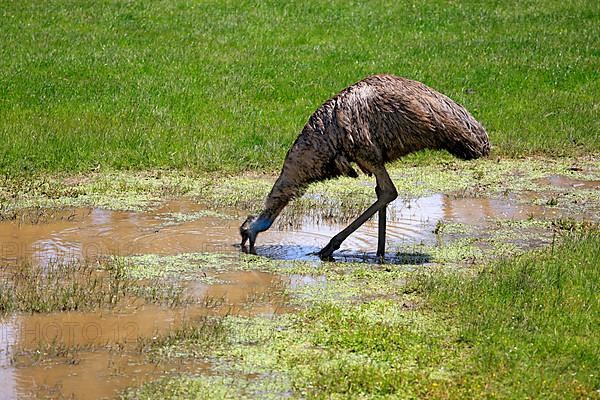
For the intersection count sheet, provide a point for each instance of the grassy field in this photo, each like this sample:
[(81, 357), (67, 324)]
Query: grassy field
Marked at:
[(531, 322), (227, 85)]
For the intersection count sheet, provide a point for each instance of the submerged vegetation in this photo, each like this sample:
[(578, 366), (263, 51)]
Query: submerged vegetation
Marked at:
[(75, 285)]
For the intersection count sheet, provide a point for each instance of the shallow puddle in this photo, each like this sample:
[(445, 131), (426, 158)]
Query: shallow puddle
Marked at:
[(90, 233), (409, 222), (562, 181), (89, 375), (95, 354)]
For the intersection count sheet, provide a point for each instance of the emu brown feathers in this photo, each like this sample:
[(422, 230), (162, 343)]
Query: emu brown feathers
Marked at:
[(376, 120)]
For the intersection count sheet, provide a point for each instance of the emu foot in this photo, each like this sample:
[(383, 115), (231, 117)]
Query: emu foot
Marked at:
[(327, 251), (325, 257), (380, 257), (248, 249)]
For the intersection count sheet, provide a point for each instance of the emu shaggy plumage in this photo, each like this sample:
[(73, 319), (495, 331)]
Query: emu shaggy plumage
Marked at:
[(376, 120)]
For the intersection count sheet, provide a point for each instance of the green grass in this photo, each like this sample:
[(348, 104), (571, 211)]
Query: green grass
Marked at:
[(525, 327), (228, 85), (531, 322)]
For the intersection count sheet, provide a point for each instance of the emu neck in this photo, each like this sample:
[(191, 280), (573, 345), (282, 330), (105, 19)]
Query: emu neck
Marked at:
[(273, 206), (283, 191)]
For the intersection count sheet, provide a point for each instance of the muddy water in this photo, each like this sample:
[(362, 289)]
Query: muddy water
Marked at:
[(90, 233), (88, 375), (106, 358), (566, 182), (409, 221)]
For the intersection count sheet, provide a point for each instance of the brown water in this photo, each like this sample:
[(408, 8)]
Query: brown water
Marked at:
[(98, 370), (566, 182), (90, 375), (89, 233), (106, 359)]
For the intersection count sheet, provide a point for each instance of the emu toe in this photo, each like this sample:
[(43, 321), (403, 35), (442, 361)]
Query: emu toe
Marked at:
[(326, 252)]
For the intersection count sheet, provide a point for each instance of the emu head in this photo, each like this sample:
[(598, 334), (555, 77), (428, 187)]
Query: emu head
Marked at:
[(251, 227)]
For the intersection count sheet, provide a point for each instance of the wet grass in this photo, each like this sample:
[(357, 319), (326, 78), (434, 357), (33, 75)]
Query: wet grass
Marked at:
[(227, 86), (326, 351), (32, 215), (48, 353), (376, 349), (415, 328), (207, 387), (522, 327), (77, 285), (193, 339), (176, 218), (59, 286), (181, 266)]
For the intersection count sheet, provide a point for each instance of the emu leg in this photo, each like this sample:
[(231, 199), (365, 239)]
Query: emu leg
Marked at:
[(336, 241), (381, 227), (381, 236), (386, 192), (248, 250)]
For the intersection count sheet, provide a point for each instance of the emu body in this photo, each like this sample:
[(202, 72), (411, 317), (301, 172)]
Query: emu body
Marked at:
[(377, 120)]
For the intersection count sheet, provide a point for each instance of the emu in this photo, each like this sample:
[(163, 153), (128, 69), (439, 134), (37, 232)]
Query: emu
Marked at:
[(376, 120)]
